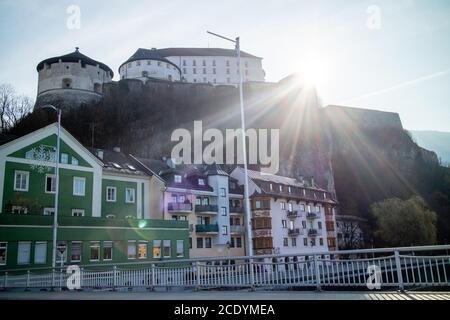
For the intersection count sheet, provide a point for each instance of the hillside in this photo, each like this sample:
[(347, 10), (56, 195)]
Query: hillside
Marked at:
[(437, 141)]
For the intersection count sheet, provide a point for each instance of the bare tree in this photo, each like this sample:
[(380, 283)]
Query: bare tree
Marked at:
[(351, 235), (13, 107)]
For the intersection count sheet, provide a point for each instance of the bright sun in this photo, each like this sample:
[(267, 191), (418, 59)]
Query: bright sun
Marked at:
[(314, 71)]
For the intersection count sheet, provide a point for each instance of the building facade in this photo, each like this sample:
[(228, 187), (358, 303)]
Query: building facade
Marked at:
[(104, 210), (192, 65), (289, 216)]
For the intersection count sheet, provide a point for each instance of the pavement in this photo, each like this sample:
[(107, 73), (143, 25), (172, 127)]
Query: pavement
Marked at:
[(223, 295)]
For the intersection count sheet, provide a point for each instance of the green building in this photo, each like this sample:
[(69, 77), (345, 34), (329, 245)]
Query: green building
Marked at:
[(106, 210)]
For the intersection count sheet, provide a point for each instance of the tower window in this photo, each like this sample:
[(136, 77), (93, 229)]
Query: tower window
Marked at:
[(97, 87), (67, 83)]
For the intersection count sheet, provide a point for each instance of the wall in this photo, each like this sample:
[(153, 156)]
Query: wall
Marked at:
[(153, 68)]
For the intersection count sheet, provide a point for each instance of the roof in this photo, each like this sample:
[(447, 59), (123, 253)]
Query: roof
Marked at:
[(214, 52), (149, 54), (118, 162), (256, 175), (74, 57)]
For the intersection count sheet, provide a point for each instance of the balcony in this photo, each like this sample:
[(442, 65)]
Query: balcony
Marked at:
[(208, 208), (312, 215), (292, 214), (237, 229), (294, 232), (179, 207), (236, 209), (207, 228), (313, 232)]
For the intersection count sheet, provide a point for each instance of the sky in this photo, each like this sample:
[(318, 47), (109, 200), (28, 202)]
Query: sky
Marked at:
[(391, 55)]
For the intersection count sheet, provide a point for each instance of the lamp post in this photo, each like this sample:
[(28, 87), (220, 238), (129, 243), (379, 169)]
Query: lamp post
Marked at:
[(249, 244), (55, 215)]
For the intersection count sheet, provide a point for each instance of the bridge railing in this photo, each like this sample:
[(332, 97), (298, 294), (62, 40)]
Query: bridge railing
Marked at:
[(370, 268)]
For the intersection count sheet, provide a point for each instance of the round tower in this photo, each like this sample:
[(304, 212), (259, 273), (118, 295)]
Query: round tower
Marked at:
[(70, 80)]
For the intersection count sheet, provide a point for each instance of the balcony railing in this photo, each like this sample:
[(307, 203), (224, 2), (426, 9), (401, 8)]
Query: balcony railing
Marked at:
[(313, 232), (237, 229), (175, 206), (206, 208), (292, 214), (207, 228), (312, 215), (236, 209), (294, 232)]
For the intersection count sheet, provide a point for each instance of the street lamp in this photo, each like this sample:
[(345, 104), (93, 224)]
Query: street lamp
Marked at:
[(55, 215), (249, 243)]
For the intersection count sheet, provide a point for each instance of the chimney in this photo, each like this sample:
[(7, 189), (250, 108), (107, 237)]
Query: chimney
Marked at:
[(312, 182), (171, 162), (100, 154), (116, 149)]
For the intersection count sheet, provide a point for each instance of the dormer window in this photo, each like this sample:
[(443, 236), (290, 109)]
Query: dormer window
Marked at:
[(271, 187), (289, 189), (177, 178), (201, 182), (324, 195), (280, 188)]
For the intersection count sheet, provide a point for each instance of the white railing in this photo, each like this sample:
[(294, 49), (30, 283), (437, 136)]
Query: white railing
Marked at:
[(397, 267)]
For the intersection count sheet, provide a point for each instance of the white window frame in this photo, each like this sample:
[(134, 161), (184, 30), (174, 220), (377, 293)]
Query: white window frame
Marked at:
[(76, 211), (164, 247), (74, 161), (35, 252), (128, 250), (29, 252), (177, 178), (65, 156), (107, 194), (223, 192), (157, 244), (25, 209), (133, 195), (53, 177), (4, 245), (142, 242), (94, 244), (180, 243), (201, 182), (224, 230), (223, 211), (84, 186), (107, 244), (51, 209), (27, 181), (81, 251)]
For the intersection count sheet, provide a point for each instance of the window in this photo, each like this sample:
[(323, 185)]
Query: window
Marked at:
[(61, 251), (184, 62), (167, 253), (3, 252), (294, 242), (77, 212), (40, 252), (19, 210), (181, 198), (131, 250), (29, 154), (156, 248), (64, 158), (232, 242), (305, 242), (283, 205), (285, 242), (159, 63), (138, 63), (205, 201), (23, 252), (21, 180), (319, 224), (258, 204), (198, 201), (224, 230), (223, 211), (177, 178), (129, 195), (94, 248), (74, 161), (239, 242), (321, 241), (50, 183), (199, 243), (304, 224), (228, 63), (284, 223), (280, 187), (49, 211), (79, 185), (223, 192), (184, 70), (228, 70), (111, 194), (66, 83), (208, 242), (204, 70), (302, 207), (194, 63), (190, 243), (201, 182), (142, 250), (75, 254), (318, 209), (214, 71), (194, 71), (180, 248), (107, 250), (308, 207), (149, 62), (290, 207), (313, 242), (271, 187)]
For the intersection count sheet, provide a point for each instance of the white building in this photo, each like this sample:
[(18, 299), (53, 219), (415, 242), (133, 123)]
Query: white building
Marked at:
[(72, 78), (193, 65), (289, 216)]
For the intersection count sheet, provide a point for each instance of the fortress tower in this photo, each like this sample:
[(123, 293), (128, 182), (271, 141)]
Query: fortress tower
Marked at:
[(70, 80)]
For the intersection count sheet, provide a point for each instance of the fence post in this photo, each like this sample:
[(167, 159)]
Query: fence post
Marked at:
[(81, 278), (398, 266), (114, 278), (6, 281), (197, 273), (28, 281), (317, 271), (252, 275), (153, 278), (53, 279)]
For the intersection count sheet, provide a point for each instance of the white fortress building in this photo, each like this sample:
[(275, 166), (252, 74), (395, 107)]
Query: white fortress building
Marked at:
[(192, 65), (72, 79)]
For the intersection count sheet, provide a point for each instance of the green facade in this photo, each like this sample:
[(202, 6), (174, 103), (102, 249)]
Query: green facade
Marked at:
[(122, 226)]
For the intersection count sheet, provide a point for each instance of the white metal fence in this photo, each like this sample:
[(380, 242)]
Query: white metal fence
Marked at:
[(398, 267)]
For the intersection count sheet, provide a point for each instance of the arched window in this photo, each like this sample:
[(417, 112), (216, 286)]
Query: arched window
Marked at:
[(67, 83), (170, 77), (98, 87), (145, 74)]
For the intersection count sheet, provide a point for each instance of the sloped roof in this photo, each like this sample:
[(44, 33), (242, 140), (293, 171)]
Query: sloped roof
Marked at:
[(75, 57), (214, 52), (118, 162), (149, 54)]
